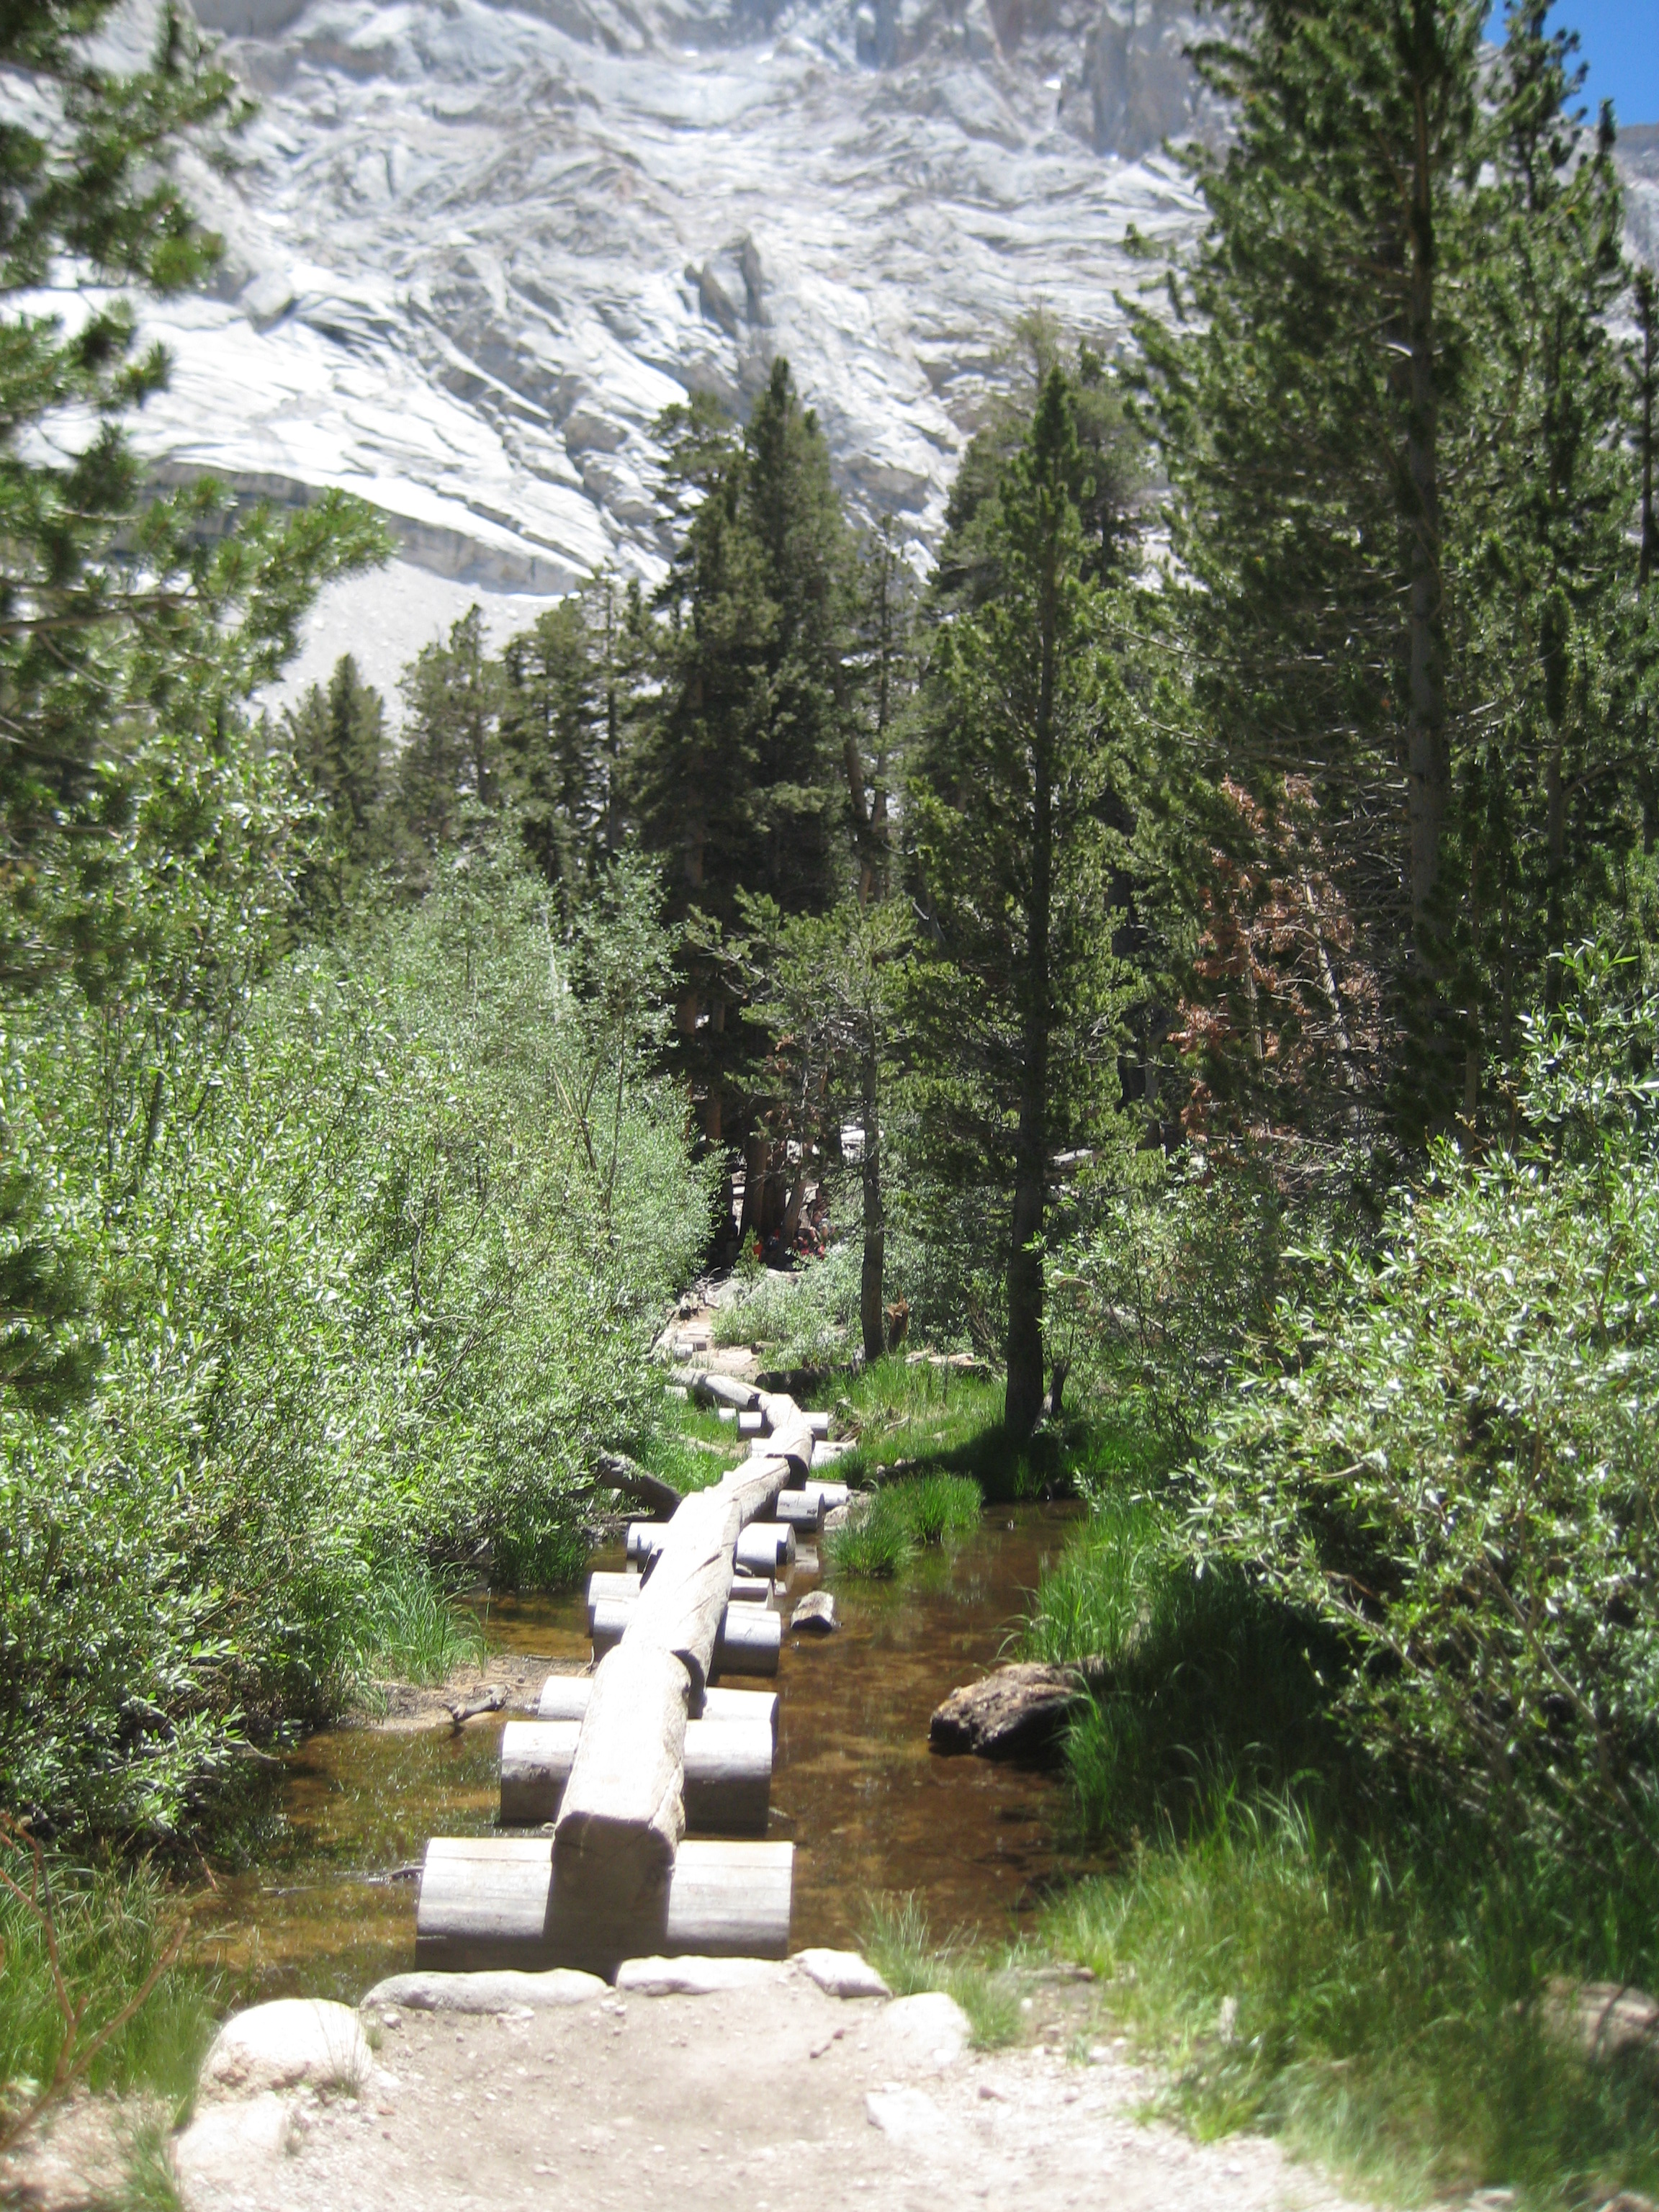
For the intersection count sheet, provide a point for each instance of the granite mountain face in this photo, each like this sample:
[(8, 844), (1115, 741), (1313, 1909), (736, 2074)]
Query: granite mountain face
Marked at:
[(473, 251)]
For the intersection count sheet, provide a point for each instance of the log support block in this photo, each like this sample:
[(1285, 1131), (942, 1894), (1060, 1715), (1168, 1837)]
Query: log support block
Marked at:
[(489, 1901), (565, 1698), (728, 1772)]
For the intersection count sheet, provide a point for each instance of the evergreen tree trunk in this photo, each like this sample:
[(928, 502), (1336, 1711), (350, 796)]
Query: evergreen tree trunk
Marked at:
[(1648, 382), (1023, 1404), (872, 1310), (1428, 765)]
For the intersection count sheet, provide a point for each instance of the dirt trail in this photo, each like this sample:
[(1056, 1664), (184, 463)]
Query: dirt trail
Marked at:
[(777, 2097)]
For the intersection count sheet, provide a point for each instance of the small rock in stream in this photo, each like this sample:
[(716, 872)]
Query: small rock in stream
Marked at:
[(1018, 1712), (814, 1615)]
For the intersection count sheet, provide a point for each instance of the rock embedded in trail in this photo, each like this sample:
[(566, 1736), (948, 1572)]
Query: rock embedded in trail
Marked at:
[(693, 1976), (1018, 1712), (842, 1973), (505, 1989), (293, 2043)]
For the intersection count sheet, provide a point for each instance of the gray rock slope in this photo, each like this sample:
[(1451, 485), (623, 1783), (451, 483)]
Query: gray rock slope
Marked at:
[(473, 252)]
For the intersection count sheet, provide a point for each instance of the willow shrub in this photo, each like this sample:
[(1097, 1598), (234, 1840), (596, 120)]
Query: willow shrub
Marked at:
[(1447, 1452), (371, 1289)]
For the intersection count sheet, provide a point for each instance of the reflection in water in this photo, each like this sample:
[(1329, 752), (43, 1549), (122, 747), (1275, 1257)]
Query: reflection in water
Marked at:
[(856, 1788)]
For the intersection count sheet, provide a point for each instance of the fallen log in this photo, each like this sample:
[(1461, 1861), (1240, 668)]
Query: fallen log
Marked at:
[(490, 1901), (565, 1698), (492, 1700), (716, 1389), (728, 1773), (616, 1471)]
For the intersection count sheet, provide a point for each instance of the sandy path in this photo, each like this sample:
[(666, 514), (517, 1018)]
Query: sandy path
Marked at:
[(776, 2098)]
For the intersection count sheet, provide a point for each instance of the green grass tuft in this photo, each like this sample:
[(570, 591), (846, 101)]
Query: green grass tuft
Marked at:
[(1373, 2003), (111, 1927), (875, 1543), (410, 1629), (898, 1942)]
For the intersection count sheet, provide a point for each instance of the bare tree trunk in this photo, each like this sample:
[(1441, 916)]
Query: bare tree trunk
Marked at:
[(1023, 1404), (757, 1155), (872, 1291), (1428, 765)]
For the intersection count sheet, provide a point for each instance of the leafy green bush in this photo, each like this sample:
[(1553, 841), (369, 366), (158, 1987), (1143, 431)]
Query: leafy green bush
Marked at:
[(1450, 1454), (379, 1245), (807, 1318)]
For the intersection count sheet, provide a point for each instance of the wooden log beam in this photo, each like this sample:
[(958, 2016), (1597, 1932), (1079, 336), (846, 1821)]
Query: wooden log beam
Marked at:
[(728, 1773), (487, 1901), (565, 1698), (708, 1384), (623, 1811), (803, 1509)]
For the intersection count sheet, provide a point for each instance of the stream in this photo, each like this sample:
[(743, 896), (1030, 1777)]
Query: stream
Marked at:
[(869, 1808)]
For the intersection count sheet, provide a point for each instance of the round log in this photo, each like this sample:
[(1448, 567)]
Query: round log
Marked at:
[(752, 1425), (749, 1642), (645, 1540), (565, 1698), (750, 1638), (801, 1509), (728, 1773), (765, 1546), (623, 1810), (490, 1901)]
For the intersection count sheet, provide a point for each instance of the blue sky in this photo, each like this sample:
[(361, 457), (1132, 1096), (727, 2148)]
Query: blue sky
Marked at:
[(1619, 40)]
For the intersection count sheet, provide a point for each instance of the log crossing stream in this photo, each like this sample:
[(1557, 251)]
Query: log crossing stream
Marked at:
[(652, 1778)]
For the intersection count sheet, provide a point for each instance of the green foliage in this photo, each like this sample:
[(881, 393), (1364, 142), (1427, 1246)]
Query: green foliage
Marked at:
[(1199, 1685), (336, 738), (407, 1630), (1448, 1453), (1177, 1269), (885, 1532), (899, 1944), (111, 1926), (1377, 2005), (1388, 402), (1022, 767), (737, 773), (875, 1543), (372, 1292)]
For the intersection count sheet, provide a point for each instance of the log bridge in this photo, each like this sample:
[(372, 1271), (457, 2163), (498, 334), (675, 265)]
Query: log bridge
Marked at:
[(620, 1764)]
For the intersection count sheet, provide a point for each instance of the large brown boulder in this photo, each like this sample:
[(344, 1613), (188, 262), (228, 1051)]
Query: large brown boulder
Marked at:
[(1018, 1712)]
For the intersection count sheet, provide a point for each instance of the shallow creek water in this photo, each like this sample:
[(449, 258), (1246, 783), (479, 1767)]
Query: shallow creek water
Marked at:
[(856, 1788)]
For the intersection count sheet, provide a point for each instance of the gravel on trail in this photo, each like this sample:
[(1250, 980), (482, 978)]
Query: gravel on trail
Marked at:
[(769, 2091)]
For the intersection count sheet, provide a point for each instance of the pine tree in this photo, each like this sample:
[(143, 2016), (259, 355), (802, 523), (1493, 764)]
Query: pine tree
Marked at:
[(448, 772), (736, 777), (572, 690), (337, 741), (1404, 237), (1021, 758)]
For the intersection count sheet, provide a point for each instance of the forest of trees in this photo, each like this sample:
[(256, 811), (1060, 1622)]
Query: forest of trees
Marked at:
[(1197, 929)]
